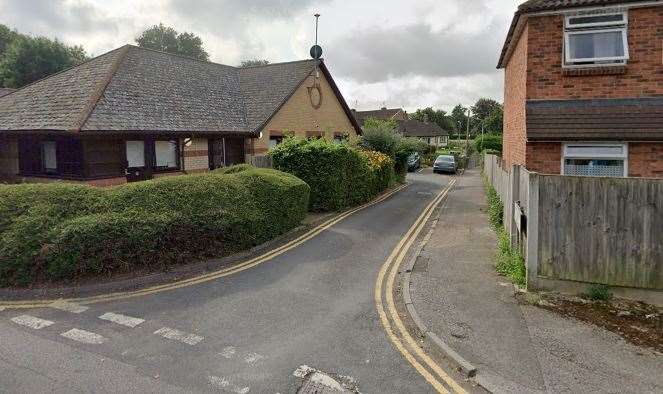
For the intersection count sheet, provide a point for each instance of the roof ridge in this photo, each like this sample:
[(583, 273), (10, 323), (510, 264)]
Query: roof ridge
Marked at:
[(276, 64), (101, 88), (180, 56)]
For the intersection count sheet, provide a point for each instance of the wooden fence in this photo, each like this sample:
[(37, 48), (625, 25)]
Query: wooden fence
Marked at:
[(583, 229), (262, 161)]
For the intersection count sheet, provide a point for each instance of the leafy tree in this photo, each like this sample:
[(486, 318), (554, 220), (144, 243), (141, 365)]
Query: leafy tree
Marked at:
[(27, 59), (439, 117), (373, 123), (494, 122), (7, 36), (254, 62), (484, 107), (459, 119), (166, 39)]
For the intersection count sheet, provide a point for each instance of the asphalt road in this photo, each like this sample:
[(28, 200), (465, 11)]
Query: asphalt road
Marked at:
[(248, 332)]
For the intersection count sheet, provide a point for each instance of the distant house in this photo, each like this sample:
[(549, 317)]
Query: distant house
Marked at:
[(584, 88), (430, 133), (6, 91), (134, 114), (383, 113)]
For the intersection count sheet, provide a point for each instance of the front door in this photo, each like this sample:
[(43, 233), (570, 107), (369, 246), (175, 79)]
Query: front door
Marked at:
[(217, 153)]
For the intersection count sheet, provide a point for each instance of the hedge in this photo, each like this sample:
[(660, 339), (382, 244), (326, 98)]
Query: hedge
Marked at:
[(62, 231), (339, 175)]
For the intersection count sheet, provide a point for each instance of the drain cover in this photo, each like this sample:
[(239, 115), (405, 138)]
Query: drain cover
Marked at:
[(317, 382)]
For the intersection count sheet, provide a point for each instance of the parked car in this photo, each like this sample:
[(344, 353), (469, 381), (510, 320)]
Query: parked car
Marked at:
[(445, 163), (413, 162)]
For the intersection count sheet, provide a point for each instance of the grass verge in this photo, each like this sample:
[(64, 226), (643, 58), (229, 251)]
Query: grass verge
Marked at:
[(510, 261)]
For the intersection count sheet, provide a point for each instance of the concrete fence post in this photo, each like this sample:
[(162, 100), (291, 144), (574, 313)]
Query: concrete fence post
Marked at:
[(532, 251)]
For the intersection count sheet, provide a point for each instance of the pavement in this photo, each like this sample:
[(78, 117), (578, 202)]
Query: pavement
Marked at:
[(516, 348), (310, 309)]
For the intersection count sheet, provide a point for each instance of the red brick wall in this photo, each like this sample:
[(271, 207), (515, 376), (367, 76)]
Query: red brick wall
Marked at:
[(544, 157), (645, 159), (515, 78), (644, 71)]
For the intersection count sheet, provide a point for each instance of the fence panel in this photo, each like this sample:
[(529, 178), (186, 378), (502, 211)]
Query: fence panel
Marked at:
[(262, 161), (601, 230)]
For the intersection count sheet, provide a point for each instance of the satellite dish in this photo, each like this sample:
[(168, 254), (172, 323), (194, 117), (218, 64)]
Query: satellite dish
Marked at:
[(316, 51)]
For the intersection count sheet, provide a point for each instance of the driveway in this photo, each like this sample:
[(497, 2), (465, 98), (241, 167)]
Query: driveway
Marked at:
[(248, 332)]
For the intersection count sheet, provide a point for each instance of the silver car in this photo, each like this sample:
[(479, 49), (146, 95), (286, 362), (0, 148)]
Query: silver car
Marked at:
[(445, 163)]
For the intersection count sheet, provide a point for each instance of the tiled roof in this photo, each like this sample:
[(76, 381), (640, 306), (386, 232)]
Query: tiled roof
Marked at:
[(6, 91), (532, 6), (548, 5), (380, 114), (415, 128), (134, 89)]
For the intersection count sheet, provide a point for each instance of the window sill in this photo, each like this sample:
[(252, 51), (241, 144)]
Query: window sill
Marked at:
[(593, 70)]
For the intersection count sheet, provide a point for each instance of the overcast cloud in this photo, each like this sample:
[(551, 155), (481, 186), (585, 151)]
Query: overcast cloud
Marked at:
[(381, 52)]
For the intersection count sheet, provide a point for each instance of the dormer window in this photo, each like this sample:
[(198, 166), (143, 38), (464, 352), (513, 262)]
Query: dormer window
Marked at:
[(599, 39)]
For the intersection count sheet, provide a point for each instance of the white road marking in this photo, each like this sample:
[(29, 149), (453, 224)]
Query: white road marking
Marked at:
[(127, 321), (31, 321), (252, 358), (69, 307), (84, 336), (228, 352), (224, 384), (171, 333)]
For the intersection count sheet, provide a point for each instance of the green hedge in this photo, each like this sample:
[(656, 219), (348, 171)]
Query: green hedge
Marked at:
[(492, 142), (61, 231), (339, 175)]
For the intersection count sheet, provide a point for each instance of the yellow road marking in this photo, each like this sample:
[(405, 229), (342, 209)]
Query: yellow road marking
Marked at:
[(391, 266), (205, 277)]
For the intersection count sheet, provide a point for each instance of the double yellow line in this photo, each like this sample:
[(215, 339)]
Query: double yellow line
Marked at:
[(28, 304), (397, 332)]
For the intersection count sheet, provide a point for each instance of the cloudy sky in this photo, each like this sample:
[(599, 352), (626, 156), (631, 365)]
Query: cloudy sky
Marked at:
[(396, 53)]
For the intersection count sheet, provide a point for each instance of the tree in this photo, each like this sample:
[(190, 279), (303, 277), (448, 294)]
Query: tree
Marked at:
[(494, 122), (439, 117), (484, 107), (254, 62), (459, 119), (166, 39), (7, 36), (27, 59)]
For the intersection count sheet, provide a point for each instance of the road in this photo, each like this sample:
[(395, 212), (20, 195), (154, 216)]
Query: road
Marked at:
[(313, 305)]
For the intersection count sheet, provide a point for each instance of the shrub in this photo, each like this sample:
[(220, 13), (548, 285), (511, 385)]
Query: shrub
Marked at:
[(599, 293), (154, 223), (339, 175), (491, 142), (380, 138)]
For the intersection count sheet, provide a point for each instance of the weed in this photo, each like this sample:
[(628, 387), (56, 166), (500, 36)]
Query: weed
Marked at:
[(599, 293)]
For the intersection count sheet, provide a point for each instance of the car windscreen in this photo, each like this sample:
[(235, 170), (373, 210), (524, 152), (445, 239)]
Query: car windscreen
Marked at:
[(446, 159)]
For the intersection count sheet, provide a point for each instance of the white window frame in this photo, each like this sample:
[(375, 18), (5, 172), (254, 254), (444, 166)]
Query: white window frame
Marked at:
[(623, 156), (45, 145), (595, 27)]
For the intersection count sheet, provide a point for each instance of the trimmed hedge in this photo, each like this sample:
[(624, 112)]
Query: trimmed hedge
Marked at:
[(339, 175), (61, 231)]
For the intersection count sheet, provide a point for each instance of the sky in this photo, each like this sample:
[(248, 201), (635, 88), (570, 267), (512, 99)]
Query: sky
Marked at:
[(410, 54)]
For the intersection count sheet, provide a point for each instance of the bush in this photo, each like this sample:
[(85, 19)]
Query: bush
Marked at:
[(491, 142), (72, 230), (339, 175), (599, 293)]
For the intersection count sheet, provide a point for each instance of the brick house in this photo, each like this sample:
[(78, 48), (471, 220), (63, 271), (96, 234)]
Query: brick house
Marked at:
[(134, 114), (584, 88), (430, 133)]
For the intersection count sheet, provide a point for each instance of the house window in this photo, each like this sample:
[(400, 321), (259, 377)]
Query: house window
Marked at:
[(166, 154), (606, 160), (135, 154), (274, 141), (49, 158), (596, 39)]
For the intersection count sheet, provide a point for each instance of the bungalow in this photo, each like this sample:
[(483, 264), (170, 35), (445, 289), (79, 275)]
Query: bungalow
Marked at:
[(430, 133), (133, 114), (383, 113)]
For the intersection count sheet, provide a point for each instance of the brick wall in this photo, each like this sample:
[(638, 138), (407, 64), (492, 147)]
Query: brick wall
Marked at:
[(645, 159), (642, 76), (544, 157), (196, 156), (514, 104), (300, 117)]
